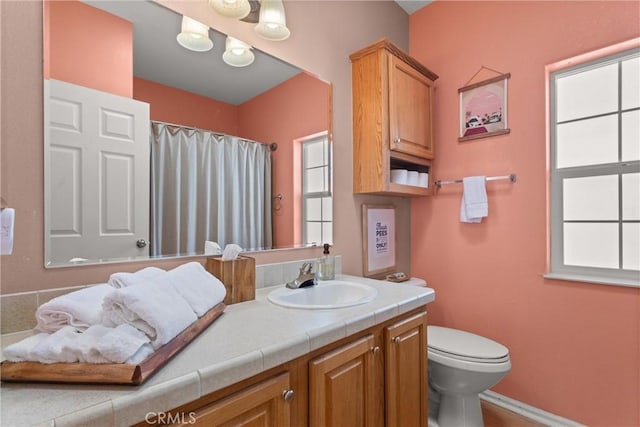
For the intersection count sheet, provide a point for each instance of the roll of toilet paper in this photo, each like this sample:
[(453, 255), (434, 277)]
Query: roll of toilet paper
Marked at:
[(412, 178), (399, 176), (423, 179)]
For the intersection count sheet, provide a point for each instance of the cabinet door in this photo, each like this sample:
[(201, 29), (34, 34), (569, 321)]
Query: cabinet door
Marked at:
[(406, 372), (263, 404), (410, 112), (343, 386)]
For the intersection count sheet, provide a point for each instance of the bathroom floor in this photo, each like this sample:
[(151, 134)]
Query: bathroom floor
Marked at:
[(495, 416)]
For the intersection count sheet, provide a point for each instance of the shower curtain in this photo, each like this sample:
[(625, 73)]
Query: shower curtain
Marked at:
[(207, 186)]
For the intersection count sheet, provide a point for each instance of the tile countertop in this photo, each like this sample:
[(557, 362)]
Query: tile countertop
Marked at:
[(247, 339)]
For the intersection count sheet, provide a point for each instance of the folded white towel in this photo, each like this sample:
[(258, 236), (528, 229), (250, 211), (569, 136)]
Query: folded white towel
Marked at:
[(100, 344), (197, 286), (97, 344), (474, 205), (124, 344), (80, 309), (53, 349), (123, 280), (19, 351), (84, 346), (154, 307)]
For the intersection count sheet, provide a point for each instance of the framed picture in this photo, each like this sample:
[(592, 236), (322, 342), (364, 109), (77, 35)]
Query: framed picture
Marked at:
[(379, 239), (483, 108)]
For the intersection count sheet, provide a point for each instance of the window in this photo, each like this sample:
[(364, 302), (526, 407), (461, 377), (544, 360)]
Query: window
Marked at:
[(595, 170), (317, 203)]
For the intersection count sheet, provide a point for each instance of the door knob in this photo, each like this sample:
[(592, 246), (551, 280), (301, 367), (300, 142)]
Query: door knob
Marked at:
[(141, 243), (287, 395)]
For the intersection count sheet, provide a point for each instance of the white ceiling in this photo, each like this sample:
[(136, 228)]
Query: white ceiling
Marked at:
[(411, 6), (158, 57)]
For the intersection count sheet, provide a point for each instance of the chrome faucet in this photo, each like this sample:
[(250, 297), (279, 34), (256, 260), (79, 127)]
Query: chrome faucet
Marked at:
[(304, 279)]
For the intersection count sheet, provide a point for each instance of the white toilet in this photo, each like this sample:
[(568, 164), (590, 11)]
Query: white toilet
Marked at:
[(461, 365)]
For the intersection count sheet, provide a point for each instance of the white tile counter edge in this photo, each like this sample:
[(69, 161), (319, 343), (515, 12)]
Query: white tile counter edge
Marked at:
[(247, 339)]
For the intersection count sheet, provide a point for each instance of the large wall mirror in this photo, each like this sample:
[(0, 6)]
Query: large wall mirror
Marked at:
[(155, 150)]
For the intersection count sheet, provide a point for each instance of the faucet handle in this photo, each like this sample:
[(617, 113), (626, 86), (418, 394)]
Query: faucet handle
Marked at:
[(306, 268)]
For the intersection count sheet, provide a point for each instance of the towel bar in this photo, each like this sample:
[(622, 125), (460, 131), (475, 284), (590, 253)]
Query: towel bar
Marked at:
[(511, 177)]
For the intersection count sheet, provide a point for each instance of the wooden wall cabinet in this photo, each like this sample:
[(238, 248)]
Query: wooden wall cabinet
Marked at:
[(375, 378), (392, 119)]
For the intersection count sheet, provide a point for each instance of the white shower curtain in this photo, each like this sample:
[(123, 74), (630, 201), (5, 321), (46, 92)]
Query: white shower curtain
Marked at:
[(207, 186)]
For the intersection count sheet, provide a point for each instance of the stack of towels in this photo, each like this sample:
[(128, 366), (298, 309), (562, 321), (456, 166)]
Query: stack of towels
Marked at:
[(122, 321)]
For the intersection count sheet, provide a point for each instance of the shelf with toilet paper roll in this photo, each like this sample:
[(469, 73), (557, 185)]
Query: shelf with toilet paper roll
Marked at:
[(409, 179)]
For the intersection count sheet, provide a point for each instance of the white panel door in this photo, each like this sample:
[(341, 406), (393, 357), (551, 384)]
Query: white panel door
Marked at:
[(96, 174)]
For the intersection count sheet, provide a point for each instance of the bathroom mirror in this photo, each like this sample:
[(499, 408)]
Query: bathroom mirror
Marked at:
[(159, 63)]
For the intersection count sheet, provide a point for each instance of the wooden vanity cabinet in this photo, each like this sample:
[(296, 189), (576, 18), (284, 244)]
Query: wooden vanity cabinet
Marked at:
[(392, 119), (265, 404), (406, 372), (364, 384), (375, 378), (344, 386)]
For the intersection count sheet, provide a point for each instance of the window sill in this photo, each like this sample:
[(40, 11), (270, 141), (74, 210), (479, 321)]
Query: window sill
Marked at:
[(630, 283)]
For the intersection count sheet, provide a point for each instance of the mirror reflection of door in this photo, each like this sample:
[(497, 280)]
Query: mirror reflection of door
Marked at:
[(97, 150)]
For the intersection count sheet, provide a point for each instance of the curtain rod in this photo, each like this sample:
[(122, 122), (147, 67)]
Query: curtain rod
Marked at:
[(511, 177), (272, 146)]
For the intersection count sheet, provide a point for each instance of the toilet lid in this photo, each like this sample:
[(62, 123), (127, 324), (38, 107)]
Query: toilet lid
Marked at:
[(465, 344)]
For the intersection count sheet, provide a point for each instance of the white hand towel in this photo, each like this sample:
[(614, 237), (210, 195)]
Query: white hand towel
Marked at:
[(19, 352), (474, 205), (197, 286), (154, 307), (123, 280), (54, 348), (84, 346), (122, 343), (80, 309), (100, 344)]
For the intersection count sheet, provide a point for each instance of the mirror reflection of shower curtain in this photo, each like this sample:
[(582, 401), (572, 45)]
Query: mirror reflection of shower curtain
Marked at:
[(207, 186)]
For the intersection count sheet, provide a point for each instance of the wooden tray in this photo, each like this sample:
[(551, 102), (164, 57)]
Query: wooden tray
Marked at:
[(108, 373)]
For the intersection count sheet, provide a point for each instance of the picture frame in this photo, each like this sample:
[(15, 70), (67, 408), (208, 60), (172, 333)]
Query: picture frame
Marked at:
[(483, 108), (379, 239)]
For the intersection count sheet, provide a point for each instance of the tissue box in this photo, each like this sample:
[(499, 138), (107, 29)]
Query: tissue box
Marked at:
[(238, 276)]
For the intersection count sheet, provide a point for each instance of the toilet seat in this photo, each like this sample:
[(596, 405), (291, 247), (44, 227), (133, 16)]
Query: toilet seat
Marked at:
[(447, 343)]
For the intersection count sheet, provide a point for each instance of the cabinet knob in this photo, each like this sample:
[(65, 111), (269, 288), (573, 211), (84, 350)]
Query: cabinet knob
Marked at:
[(141, 243), (375, 350), (396, 340), (397, 141), (287, 395)]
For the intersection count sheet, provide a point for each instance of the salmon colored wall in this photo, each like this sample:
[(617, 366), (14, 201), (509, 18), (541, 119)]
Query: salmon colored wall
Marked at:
[(172, 105), (291, 110), (575, 347), (77, 55)]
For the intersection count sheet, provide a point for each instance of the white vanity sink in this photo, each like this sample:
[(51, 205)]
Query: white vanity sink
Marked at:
[(324, 295)]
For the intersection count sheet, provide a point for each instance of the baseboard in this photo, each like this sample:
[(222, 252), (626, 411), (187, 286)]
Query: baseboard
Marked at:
[(528, 411)]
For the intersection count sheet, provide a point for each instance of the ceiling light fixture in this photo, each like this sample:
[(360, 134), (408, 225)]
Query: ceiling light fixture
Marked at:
[(237, 53), (194, 35), (273, 22), (231, 8)]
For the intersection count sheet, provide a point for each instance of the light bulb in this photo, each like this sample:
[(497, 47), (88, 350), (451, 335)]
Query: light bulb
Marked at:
[(194, 35)]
